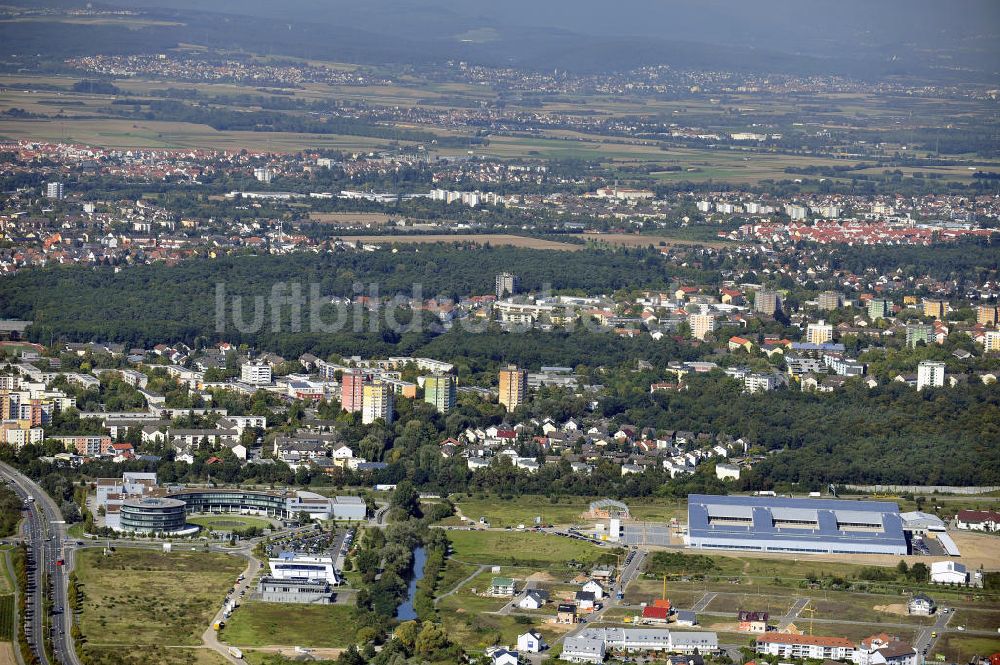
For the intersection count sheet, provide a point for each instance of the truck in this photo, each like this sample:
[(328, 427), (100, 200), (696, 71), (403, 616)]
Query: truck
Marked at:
[(31, 499), (219, 625), (235, 653)]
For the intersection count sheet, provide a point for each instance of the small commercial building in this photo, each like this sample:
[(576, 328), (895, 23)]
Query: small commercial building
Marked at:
[(294, 590), (296, 566), (948, 572)]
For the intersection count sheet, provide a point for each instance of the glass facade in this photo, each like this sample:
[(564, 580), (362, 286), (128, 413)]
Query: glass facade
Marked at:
[(153, 515), (221, 500)]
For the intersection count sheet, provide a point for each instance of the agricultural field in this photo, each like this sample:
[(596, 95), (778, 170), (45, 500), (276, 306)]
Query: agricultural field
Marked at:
[(6, 617), (150, 598), (257, 624), (229, 522)]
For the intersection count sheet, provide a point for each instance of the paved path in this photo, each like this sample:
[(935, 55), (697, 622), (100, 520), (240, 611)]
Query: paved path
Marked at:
[(793, 613), (210, 638), (461, 584), (704, 601)]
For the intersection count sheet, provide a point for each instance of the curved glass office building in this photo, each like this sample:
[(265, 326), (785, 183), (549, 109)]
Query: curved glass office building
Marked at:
[(153, 515), (233, 500)]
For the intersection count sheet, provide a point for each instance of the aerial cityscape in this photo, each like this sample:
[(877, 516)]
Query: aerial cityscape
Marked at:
[(441, 332)]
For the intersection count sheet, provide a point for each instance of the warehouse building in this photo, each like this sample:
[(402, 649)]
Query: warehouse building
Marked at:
[(806, 526)]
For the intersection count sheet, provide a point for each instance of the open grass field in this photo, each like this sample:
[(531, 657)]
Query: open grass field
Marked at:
[(353, 218), (504, 239), (636, 240), (853, 631), (257, 624), (508, 547), (229, 522), (145, 597), (521, 509), (959, 648), (153, 655), (6, 576), (978, 619), (568, 510)]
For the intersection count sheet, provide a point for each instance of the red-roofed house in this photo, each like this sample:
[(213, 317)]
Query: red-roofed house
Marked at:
[(653, 614), (978, 520)]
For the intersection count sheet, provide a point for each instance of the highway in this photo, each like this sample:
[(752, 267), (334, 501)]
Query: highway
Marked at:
[(44, 533)]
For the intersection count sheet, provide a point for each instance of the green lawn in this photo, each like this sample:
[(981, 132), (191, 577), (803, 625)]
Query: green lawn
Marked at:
[(520, 548), (256, 624), (229, 522), (148, 597)]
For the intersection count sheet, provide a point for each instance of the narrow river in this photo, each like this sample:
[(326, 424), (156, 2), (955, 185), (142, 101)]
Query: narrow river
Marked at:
[(405, 611)]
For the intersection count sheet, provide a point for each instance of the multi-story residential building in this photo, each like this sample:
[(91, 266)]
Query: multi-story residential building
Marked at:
[(879, 308), (819, 333), (796, 212), (788, 645), (19, 433), (54, 190), (930, 374), (352, 390), (439, 390), (256, 374), (829, 300), (87, 445), (936, 308), (701, 324), (992, 341), (986, 315), (377, 402), (759, 382), (513, 387), (844, 366), (919, 332), (506, 284), (766, 302)]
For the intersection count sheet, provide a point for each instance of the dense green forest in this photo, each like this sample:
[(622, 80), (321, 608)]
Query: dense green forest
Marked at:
[(10, 511), (892, 434), (146, 305)]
